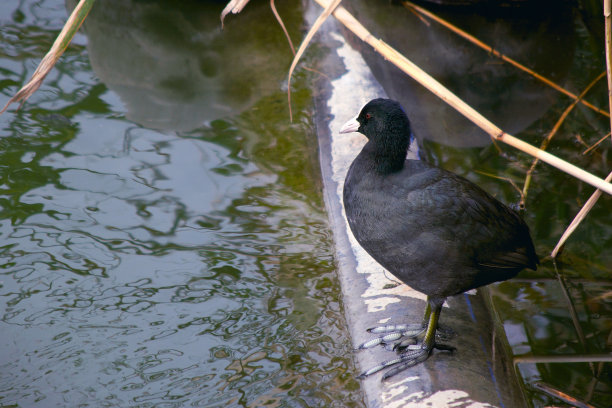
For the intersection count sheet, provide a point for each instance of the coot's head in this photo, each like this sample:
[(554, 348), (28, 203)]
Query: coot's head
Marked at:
[(381, 119)]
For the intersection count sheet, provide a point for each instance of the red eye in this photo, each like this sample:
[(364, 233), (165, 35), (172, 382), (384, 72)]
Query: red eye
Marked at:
[(368, 116)]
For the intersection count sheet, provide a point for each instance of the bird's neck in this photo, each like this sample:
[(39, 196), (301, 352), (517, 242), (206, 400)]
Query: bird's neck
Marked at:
[(387, 156)]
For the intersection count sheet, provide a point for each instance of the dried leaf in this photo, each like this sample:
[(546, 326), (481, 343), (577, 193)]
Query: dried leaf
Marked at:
[(234, 7), (57, 49)]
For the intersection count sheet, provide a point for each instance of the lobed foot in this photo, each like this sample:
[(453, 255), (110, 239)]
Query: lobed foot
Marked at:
[(396, 335), (401, 336), (411, 356), (413, 343)]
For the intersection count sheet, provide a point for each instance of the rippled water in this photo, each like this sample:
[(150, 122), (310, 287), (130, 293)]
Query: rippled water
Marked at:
[(185, 266)]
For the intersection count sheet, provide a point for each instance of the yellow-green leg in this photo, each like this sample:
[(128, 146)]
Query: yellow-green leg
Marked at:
[(433, 315), (427, 314), (415, 353)]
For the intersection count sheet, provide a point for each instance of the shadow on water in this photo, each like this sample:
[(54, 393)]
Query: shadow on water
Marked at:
[(185, 266), (557, 320)]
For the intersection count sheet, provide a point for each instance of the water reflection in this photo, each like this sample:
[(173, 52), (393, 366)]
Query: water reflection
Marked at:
[(560, 335), (504, 94), (149, 268), (174, 67)]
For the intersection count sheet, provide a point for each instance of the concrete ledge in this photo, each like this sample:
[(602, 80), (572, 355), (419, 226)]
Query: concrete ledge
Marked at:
[(475, 375)]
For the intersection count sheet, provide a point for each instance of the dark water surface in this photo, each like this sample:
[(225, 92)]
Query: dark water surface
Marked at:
[(163, 238)]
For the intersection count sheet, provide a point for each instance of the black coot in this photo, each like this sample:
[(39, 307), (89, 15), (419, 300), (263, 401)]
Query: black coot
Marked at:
[(434, 230)]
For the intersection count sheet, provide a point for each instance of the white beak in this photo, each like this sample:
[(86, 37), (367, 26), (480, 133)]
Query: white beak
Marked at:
[(350, 126)]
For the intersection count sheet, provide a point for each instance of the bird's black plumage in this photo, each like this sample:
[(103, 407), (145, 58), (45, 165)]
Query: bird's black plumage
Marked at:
[(434, 230)]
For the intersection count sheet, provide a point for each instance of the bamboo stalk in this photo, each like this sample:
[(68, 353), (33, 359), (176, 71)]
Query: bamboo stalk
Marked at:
[(447, 96), (503, 57), (57, 49)]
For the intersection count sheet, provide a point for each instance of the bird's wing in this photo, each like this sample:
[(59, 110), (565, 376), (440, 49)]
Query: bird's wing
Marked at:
[(470, 217)]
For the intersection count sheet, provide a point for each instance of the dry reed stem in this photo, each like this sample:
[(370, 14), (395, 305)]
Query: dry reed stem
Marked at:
[(571, 307), (498, 54), (234, 7), (597, 143), (447, 96), (556, 128), (586, 208), (57, 49), (562, 358), (573, 401), (608, 23), (282, 24), (509, 180), (280, 21), (328, 9)]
